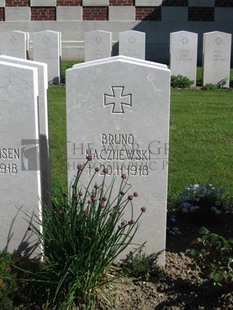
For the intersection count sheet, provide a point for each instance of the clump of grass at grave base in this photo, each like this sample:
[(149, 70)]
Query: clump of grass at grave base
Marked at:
[(140, 265), (180, 81), (213, 254), (204, 204), (83, 235), (210, 86)]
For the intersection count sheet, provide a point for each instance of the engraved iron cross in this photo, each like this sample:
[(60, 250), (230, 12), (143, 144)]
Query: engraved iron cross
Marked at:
[(184, 41), (132, 40), (118, 99)]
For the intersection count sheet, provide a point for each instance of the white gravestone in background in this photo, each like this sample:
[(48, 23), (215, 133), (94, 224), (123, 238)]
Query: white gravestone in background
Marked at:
[(15, 44), (183, 54), (216, 58), (109, 106), (20, 180), (47, 49), (132, 43), (43, 121), (98, 44)]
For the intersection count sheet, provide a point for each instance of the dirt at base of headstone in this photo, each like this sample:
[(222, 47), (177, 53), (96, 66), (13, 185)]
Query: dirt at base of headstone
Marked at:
[(177, 287)]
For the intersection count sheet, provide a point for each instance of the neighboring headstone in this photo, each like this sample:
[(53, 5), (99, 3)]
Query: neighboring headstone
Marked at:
[(183, 54), (124, 124), (47, 49), (216, 58), (98, 44), (20, 182), (43, 121), (132, 43), (14, 43)]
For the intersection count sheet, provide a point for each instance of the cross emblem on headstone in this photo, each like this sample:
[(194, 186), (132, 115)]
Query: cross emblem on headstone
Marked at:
[(13, 40), (218, 41), (184, 41), (97, 40), (45, 40), (132, 40), (118, 99)]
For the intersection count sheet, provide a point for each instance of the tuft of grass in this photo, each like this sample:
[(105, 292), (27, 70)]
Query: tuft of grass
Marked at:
[(140, 265), (180, 81)]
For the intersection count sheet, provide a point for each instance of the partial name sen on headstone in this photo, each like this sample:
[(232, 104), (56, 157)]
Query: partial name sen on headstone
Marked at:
[(124, 124), (43, 120), (20, 182)]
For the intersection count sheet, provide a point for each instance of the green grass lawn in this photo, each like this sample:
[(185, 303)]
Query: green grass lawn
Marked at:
[(201, 137), (57, 127)]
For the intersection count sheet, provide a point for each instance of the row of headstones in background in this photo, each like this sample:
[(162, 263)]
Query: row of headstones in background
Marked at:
[(216, 56), (128, 132), (46, 49), (98, 44), (24, 149)]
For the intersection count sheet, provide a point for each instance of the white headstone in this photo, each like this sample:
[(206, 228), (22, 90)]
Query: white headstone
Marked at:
[(183, 54), (109, 105), (132, 43), (216, 58), (47, 49), (98, 44), (14, 43), (43, 120), (20, 182)]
